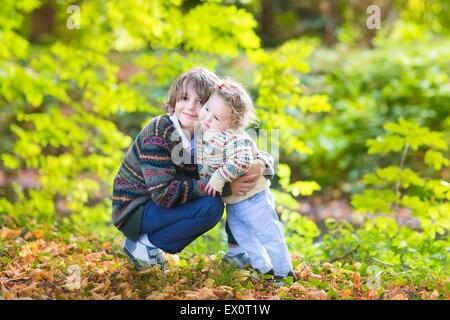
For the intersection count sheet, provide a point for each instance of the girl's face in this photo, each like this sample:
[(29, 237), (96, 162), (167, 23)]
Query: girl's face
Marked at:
[(187, 110), (215, 115)]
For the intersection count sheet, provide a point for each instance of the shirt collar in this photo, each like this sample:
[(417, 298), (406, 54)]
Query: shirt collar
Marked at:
[(184, 139)]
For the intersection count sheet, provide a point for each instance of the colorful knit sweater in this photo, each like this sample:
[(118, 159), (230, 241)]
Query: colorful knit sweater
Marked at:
[(224, 156), (149, 173), (156, 168)]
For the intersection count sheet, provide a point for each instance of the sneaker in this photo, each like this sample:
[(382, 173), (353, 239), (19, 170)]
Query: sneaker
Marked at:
[(143, 256), (269, 275), (280, 281), (240, 260)]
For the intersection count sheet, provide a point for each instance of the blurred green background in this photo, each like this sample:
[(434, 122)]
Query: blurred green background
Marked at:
[(363, 114)]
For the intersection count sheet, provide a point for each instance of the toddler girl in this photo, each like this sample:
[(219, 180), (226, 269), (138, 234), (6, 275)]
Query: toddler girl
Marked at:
[(225, 152)]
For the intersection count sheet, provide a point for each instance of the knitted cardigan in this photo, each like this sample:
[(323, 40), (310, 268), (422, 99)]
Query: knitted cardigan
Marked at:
[(225, 156), (149, 173)]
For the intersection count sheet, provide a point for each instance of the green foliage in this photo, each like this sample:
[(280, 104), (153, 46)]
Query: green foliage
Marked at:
[(65, 102), (281, 95), (418, 20), (72, 101), (301, 232), (62, 102), (396, 188), (406, 133), (220, 30), (396, 250), (368, 88), (409, 188)]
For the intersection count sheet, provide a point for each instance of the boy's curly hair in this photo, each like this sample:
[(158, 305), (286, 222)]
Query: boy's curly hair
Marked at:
[(238, 99), (200, 79)]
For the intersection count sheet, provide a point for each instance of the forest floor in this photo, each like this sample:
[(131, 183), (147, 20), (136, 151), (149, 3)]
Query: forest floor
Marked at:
[(45, 264)]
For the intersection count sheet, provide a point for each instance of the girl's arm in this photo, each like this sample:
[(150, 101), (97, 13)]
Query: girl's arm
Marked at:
[(239, 155)]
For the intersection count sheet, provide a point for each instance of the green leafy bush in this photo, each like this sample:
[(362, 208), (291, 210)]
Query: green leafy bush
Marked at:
[(368, 88), (381, 239)]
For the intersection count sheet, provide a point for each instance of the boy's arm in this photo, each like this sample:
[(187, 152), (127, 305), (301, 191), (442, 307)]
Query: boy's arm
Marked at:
[(159, 174)]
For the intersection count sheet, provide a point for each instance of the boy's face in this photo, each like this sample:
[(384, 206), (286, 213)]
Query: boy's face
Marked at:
[(187, 110), (215, 115)]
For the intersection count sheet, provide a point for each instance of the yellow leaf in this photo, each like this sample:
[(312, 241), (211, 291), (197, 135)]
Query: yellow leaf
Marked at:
[(241, 275), (346, 293), (157, 296), (209, 283), (98, 288), (172, 259), (97, 296)]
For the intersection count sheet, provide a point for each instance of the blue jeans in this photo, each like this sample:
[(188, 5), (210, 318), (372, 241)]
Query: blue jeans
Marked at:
[(256, 227), (172, 229)]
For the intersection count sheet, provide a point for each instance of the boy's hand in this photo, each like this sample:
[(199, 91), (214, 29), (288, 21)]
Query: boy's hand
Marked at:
[(211, 191), (245, 183)]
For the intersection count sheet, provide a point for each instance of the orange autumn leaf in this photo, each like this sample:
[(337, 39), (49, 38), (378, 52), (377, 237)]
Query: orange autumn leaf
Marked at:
[(373, 294), (346, 293), (7, 233), (357, 281), (38, 234)]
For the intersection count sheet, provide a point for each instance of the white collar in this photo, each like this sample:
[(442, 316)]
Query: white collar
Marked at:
[(176, 124)]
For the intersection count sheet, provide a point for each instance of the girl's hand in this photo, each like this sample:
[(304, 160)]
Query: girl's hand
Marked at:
[(211, 191), (245, 183)]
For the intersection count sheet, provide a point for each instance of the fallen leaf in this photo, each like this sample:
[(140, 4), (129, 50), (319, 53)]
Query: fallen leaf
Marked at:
[(399, 296), (315, 276), (7, 233), (97, 296), (157, 296), (172, 259), (429, 295), (38, 234), (208, 283), (346, 293), (206, 294), (241, 275), (318, 295), (373, 294), (98, 288), (224, 292), (94, 257), (357, 281)]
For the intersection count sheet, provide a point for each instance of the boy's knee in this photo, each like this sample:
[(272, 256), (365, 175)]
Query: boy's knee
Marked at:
[(212, 210)]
